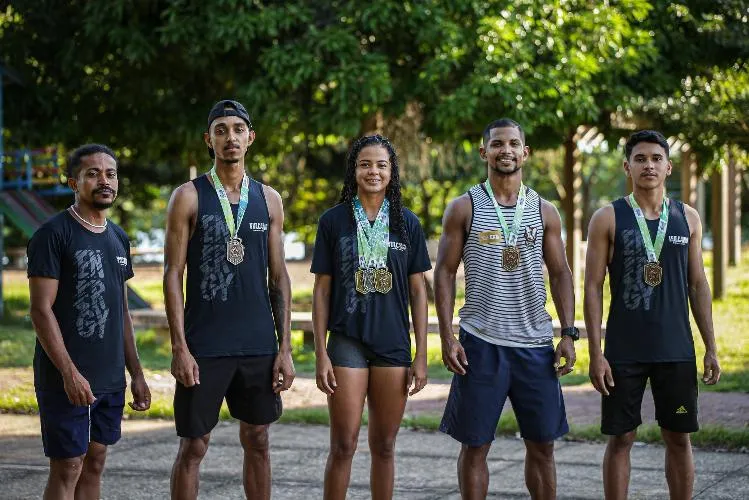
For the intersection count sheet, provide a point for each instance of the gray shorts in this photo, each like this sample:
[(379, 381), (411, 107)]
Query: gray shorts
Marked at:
[(349, 352)]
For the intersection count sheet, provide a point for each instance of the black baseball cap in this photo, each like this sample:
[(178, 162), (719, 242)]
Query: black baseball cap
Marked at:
[(227, 107)]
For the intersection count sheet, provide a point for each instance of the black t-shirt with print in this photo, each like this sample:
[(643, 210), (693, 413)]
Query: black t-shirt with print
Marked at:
[(380, 321), (91, 270)]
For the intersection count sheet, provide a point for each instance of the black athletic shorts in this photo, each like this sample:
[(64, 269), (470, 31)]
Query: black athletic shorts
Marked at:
[(245, 382), (674, 387), (349, 352)]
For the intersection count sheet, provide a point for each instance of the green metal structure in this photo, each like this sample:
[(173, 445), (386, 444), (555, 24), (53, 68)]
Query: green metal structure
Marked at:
[(26, 177)]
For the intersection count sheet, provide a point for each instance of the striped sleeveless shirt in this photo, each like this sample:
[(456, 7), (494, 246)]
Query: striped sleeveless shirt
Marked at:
[(505, 307)]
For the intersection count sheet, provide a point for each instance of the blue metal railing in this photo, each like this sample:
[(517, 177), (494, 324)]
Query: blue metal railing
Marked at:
[(37, 170)]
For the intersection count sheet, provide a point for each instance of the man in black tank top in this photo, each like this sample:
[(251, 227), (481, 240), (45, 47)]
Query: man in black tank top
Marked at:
[(230, 334), (652, 248)]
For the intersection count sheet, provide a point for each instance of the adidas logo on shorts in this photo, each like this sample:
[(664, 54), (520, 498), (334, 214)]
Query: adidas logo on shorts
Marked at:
[(681, 411)]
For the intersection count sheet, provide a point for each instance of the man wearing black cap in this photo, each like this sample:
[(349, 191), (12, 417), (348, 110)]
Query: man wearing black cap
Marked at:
[(231, 336)]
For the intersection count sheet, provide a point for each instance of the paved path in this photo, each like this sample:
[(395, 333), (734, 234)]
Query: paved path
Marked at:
[(138, 467)]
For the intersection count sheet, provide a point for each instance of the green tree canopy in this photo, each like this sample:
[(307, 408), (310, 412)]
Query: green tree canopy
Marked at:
[(141, 76)]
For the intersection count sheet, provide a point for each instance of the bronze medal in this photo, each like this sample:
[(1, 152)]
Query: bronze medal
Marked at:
[(383, 280), (652, 274), (234, 251), (510, 258)]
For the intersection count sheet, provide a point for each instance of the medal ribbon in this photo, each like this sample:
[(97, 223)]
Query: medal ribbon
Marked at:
[(244, 197), (653, 249), (510, 234), (373, 240)]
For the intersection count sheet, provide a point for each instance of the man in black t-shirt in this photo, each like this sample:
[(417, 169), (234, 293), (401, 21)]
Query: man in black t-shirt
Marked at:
[(78, 265), (651, 247)]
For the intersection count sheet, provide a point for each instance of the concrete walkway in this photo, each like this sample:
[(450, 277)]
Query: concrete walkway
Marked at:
[(139, 466)]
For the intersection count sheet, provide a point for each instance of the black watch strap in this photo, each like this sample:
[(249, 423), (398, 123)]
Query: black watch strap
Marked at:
[(572, 332)]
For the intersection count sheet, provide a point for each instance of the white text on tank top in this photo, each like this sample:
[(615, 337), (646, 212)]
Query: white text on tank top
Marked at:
[(505, 307)]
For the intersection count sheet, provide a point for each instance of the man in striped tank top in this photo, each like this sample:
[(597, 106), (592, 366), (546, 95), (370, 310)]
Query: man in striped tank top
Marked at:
[(504, 233), (652, 248)]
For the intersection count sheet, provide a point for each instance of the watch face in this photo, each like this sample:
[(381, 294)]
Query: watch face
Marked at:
[(572, 332)]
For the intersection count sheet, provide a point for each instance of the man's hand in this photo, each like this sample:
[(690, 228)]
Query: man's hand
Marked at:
[(324, 374), (185, 368), (599, 372), (566, 350), (711, 373), (78, 389), (417, 375), (283, 371), (454, 356), (141, 393)]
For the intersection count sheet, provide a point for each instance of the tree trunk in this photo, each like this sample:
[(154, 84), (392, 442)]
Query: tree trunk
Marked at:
[(734, 210), (720, 231), (571, 206)]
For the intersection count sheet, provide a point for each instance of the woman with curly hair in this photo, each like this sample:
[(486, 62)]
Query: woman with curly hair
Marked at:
[(369, 262)]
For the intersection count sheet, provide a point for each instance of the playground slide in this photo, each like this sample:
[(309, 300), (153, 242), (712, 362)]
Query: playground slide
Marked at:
[(27, 211), (12, 206), (36, 204)]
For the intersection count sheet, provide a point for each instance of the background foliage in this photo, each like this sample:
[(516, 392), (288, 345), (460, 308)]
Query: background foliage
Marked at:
[(140, 75)]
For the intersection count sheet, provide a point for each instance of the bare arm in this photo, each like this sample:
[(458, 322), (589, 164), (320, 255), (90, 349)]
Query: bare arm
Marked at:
[(43, 292), (418, 294), (700, 298), (279, 290), (138, 386), (324, 375), (454, 227), (181, 214), (600, 245), (560, 276), (560, 282)]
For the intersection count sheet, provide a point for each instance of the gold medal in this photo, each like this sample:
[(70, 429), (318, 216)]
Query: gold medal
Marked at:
[(359, 281), (652, 274), (510, 258), (234, 251), (364, 280), (383, 280)]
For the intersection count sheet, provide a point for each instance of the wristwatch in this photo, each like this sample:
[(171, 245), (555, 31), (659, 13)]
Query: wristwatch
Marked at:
[(572, 332)]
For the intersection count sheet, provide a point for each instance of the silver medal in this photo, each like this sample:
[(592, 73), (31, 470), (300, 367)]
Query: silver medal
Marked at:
[(235, 251)]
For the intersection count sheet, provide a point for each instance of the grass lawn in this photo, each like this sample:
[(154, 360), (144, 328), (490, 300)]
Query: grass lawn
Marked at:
[(17, 337), (729, 315)]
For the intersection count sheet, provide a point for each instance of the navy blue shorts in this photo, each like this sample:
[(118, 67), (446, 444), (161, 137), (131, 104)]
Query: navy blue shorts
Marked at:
[(494, 372), (67, 429)]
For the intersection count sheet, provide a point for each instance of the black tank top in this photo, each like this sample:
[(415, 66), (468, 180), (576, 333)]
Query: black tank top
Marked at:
[(648, 324), (227, 309)]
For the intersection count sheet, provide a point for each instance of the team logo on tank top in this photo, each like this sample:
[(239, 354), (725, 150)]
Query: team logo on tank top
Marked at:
[(530, 235)]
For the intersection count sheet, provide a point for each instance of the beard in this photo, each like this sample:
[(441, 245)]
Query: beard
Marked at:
[(102, 205), (506, 172)]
